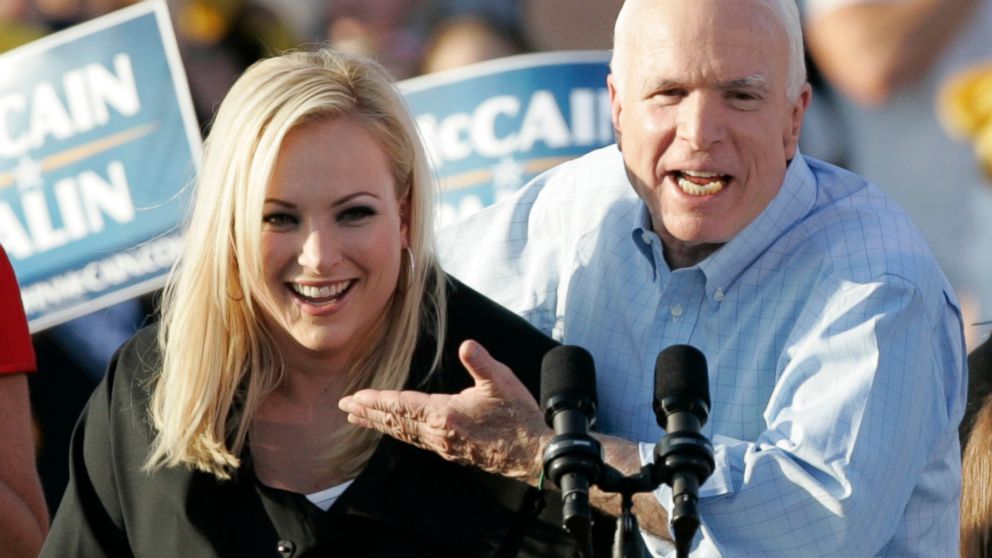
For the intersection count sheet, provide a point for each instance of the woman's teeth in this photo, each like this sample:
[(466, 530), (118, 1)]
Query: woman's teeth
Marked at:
[(317, 293), (697, 183)]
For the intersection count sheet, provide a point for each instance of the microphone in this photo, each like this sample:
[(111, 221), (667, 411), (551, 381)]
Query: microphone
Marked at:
[(681, 405), (573, 458)]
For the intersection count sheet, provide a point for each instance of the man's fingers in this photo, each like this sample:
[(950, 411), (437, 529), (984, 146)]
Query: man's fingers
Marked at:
[(480, 364), (405, 415)]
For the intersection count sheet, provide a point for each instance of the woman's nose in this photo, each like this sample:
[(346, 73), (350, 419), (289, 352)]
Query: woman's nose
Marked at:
[(320, 251)]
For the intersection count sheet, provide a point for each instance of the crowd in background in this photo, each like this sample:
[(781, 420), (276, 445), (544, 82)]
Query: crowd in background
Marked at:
[(887, 129)]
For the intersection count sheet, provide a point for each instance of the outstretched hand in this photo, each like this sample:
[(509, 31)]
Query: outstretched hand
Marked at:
[(495, 425)]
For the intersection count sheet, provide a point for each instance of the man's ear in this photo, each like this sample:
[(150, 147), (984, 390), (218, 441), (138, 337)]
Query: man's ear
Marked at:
[(616, 106), (799, 107)]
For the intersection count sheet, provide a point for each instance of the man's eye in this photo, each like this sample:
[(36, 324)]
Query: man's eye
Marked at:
[(356, 214), (674, 92), (744, 99)]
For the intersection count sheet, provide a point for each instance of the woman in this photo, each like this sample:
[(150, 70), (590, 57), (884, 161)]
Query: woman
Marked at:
[(307, 274)]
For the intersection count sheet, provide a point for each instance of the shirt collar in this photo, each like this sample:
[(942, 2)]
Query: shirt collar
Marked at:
[(793, 202), (644, 237)]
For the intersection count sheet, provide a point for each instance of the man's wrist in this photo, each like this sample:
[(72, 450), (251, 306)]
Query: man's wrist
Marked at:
[(536, 476)]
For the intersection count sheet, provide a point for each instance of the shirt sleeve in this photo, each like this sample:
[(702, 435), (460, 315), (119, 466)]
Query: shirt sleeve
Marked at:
[(503, 253), (16, 351), (868, 392)]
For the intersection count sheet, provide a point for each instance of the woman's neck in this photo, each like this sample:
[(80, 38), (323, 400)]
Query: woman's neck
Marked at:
[(293, 429)]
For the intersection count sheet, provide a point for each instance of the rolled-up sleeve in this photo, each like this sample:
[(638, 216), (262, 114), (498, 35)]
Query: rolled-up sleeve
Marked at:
[(861, 424)]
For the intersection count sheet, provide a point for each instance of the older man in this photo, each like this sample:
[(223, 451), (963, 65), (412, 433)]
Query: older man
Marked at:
[(834, 342)]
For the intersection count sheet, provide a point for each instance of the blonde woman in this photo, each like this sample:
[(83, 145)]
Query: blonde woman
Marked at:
[(308, 274)]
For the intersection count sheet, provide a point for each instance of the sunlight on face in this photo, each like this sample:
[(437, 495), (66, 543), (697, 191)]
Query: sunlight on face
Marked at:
[(332, 236), (703, 118)]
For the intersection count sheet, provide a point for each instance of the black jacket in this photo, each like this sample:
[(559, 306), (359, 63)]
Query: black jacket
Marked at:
[(405, 503)]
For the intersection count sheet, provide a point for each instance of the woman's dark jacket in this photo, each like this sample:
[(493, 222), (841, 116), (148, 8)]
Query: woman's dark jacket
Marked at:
[(406, 502)]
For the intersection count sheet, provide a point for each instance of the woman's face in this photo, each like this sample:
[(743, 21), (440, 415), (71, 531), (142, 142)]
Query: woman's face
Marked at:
[(332, 235)]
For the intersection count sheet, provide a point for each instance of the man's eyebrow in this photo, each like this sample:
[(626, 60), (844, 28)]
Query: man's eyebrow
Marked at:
[(664, 83), (753, 82), (747, 82)]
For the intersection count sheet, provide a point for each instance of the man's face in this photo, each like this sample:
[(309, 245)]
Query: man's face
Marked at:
[(702, 116)]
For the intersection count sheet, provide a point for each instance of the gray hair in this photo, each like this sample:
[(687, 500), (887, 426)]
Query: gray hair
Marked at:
[(786, 10)]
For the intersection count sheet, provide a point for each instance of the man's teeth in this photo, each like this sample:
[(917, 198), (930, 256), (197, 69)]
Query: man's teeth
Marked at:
[(327, 291), (705, 189)]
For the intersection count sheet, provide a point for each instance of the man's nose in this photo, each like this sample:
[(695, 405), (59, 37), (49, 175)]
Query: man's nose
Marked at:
[(701, 121)]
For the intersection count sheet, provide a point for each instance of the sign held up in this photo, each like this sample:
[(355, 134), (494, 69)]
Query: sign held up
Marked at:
[(98, 140)]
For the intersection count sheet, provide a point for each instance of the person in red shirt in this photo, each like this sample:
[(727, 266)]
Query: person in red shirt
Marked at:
[(23, 514)]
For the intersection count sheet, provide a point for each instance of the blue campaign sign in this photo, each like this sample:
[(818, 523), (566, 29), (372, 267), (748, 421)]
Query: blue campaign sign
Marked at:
[(492, 126), (98, 141)]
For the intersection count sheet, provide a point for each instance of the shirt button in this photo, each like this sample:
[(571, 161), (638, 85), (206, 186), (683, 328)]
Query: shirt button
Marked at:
[(718, 295), (646, 237), (286, 548), (677, 310)]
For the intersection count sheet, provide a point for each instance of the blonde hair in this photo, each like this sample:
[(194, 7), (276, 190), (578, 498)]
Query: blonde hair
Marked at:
[(219, 361), (976, 493)]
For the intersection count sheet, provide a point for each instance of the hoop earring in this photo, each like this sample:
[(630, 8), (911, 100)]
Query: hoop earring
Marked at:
[(413, 268), (413, 262)]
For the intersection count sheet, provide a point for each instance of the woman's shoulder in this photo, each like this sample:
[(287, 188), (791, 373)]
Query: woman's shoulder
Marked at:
[(133, 368)]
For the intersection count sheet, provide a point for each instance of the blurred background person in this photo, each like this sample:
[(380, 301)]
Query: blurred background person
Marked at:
[(979, 385), (889, 60), (16, 28), (976, 495), (219, 39), (405, 35), (465, 40), (23, 514)]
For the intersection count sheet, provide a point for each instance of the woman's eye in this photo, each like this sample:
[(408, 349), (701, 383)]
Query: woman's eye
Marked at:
[(279, 219), (356, 214)]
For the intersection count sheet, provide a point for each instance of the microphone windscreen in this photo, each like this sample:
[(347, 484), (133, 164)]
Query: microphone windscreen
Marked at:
[(567, 370), (680, 371)]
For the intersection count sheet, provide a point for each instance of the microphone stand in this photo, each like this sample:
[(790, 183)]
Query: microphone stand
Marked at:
[(685, 516), (627, 542), (627, 539)]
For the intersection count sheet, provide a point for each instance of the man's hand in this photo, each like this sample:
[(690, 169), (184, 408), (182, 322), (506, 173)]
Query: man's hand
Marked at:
[(495, 425)]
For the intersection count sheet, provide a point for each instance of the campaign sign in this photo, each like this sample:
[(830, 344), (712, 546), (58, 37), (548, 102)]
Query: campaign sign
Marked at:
[(98, 141), (491, 127)]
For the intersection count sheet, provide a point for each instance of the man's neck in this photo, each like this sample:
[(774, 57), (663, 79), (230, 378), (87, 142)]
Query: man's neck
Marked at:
[(679, 254)]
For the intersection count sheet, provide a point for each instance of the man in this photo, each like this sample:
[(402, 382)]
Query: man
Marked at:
[(23, 515), (834, 344)]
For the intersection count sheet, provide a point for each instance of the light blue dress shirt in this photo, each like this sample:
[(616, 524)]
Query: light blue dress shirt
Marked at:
[(834, 344)]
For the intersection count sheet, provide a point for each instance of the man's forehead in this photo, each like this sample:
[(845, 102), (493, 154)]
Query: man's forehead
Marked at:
[(708, 20)]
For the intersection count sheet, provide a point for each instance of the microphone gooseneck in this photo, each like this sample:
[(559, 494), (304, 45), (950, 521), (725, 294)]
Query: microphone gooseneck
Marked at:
[(573, 458), (684, 457)]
